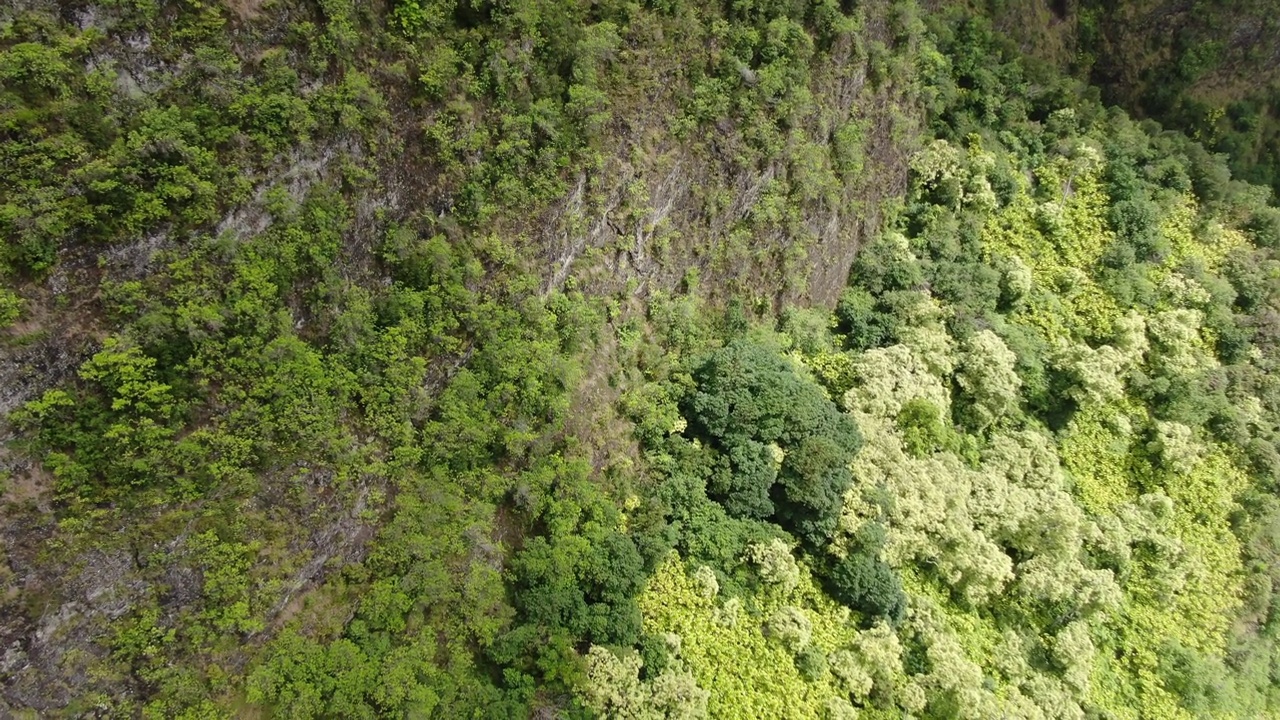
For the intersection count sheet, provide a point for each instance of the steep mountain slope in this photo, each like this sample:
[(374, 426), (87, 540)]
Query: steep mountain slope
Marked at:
[(1058, 362), (755, 359), (1206, 68), (272, 269)]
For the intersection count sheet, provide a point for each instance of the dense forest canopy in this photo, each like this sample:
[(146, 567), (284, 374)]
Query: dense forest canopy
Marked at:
[(1205, 68), (755, 359)]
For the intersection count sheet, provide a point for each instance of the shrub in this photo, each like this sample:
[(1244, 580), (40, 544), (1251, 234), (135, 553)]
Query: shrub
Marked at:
[(868, 585)]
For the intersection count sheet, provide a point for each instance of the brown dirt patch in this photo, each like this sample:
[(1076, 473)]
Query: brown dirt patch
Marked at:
[(245, 9)]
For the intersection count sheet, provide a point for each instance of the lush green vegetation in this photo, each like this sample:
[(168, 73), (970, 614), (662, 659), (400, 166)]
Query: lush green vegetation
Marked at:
[(1205, 76), (1204, 68), (367, 432)]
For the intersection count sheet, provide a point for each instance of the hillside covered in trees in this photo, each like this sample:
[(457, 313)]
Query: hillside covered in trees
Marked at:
[(755, 359), (1210, 69)]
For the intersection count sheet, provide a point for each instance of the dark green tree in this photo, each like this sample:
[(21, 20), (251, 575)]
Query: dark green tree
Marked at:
[(787, 445), (868, 585)]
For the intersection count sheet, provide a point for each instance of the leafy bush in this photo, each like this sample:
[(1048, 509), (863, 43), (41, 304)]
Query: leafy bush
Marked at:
[(10, 307), (865, 583)]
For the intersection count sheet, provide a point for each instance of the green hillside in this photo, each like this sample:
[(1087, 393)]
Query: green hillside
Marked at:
[(757, 359), (1209, 69)]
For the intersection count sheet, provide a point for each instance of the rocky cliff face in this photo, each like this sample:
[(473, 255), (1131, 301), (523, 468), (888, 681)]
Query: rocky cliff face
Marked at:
[(766, 195)]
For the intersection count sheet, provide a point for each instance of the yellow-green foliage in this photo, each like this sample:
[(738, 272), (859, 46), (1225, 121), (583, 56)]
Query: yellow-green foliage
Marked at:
[(1210, 244), (1203, 501), (1096, 450), (1190, 607), (726, 645), (1061, 240)]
